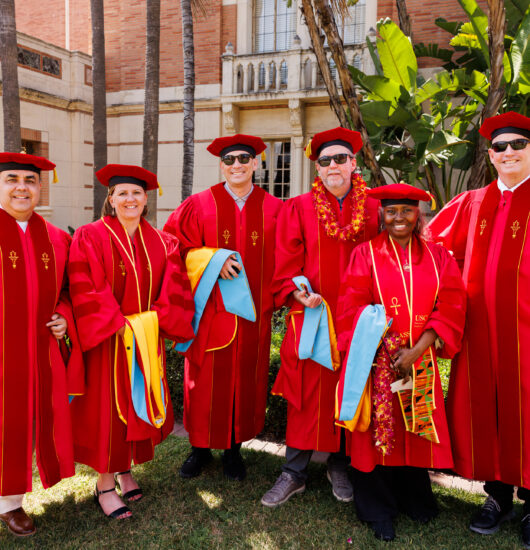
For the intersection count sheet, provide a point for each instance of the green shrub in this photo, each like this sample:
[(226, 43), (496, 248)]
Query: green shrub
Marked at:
[(175, 379)]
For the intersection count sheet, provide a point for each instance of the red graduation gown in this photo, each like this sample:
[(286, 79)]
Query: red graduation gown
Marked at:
[(489, 391), (33, 378), (304, 248), (438, 303), (230, 382), (110, 279)]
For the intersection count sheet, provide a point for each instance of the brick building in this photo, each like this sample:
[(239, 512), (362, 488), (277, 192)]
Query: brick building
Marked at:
[(255, 73)]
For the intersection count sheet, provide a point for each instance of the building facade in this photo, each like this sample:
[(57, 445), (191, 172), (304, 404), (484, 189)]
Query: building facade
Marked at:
[(255, 74)]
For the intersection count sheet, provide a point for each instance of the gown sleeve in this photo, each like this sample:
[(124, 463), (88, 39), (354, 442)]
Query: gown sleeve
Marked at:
[(449, 314), (290, 251), (97, 313), (356, 291), (174, 305), (184, 223)]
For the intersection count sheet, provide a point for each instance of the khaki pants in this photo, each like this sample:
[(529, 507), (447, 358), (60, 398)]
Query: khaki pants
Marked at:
[(10, 502)]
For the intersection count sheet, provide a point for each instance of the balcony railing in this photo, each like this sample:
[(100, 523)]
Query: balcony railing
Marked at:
[(275, 72)]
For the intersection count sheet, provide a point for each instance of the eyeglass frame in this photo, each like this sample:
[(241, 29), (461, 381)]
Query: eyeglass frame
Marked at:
[(243, 158), (336, 158), (504, 145)]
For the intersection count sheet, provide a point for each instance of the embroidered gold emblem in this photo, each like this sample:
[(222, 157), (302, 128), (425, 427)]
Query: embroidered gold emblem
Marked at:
[(395, 305), (515, 227), (13, 257), (45, 259), (482, 226), (254, 236), (122, 267), (226, 235)]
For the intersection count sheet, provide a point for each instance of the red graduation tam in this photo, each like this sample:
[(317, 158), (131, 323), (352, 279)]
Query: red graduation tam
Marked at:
[(238, 142), (23, 161), (507, 123), (337, 136), (399, 193), (112, 174)]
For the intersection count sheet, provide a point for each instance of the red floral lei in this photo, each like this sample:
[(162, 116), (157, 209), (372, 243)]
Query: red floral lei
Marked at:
[(327, 216), (382, 411)]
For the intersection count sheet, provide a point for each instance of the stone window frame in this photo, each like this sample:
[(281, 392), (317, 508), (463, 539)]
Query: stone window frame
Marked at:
[(41, 56)]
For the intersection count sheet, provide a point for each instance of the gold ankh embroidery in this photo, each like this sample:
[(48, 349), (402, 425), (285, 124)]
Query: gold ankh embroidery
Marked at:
[(226, 235), (254, 236), (395, 305), (45, 259), (13, 257), (122, 267), (482, 226), (515, 227)]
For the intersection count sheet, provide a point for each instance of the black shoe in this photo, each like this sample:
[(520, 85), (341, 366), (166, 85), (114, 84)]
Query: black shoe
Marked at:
[(233, 466), (195, 462), (525, 530), (490, 517), (383, 530)]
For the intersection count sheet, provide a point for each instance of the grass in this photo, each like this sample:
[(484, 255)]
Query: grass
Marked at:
[(210, 512)]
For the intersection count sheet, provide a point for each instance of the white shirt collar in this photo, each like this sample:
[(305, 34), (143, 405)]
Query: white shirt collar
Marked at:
[(503, 187)]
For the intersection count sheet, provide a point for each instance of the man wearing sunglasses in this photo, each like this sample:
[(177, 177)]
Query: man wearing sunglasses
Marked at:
[(316, 234), (227, 366), (489, 395)]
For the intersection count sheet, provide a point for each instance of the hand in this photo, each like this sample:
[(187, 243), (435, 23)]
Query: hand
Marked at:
[(57, 326), (307, 299), (230, 268), (403, 361)]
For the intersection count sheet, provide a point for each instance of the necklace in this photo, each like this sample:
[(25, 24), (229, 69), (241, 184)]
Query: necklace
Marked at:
[(327, 216)]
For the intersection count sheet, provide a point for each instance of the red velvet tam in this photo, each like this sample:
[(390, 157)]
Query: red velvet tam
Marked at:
[(507, 123), (23, 161), (239, 142), (337, 136), (399, 193), (112, 174)]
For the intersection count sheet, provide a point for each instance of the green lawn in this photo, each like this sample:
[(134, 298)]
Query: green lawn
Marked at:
[(211, 512)]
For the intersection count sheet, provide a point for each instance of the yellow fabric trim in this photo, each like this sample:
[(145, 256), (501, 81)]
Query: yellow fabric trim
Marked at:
[(145, 328), (335, 355), (196, 262), (361, 420), (116, 343)]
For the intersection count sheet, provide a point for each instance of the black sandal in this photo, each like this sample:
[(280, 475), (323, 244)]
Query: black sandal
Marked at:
[(129, 494), (116, 513)]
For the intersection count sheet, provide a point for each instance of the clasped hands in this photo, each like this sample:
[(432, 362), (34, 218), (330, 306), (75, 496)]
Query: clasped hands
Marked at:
[(57, 325)]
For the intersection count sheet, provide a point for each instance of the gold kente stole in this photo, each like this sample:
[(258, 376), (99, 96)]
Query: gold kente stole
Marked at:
[(410, 306)]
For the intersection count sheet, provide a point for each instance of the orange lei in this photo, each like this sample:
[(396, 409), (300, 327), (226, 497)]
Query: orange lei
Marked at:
[(327, 216)]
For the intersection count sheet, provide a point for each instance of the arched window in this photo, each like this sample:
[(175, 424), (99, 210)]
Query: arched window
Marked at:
[(239, 80), (357, 62), (274, 25), (272, 75), (306, 75), (261, 76), (250, 78)]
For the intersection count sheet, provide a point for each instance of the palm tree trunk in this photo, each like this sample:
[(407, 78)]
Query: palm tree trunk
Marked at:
[(404, 19), (320, 53), (10, 96), (100, 101), (189, 99), (151, 107), (496, 30), (327, 22)]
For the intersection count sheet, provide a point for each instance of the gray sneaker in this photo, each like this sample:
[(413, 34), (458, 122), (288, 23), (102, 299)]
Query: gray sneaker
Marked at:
[(341, 485), (285, 487)]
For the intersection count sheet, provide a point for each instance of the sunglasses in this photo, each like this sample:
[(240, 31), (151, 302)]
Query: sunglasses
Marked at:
[(515, 144), (340, 158), (243, 158)]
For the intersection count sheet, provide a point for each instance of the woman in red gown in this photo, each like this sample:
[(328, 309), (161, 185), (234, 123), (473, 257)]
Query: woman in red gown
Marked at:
[(119, 266), (420, 287)]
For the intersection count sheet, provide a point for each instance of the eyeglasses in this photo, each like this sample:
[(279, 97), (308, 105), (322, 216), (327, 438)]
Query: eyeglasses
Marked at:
[(515, 144), (340, 158), (243, 158)]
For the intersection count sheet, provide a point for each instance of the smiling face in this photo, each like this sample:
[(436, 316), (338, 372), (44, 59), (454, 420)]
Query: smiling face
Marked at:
[(237, 175), (19, 193), (400, 221), (336, 177), (129, 201), (512, 166)]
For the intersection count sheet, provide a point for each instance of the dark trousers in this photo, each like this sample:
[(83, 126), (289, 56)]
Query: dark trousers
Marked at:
[(503, 494), (387, 490), (297, 460)]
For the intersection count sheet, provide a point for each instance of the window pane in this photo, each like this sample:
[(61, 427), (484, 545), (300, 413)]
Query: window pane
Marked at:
[(354, 26), (28, 58), (274, 25)]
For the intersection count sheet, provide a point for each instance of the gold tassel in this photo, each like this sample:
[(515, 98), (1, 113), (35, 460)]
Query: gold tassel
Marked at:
[(308, 150), (263, 156), (159, 189), (433, 202), (55, 178)]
